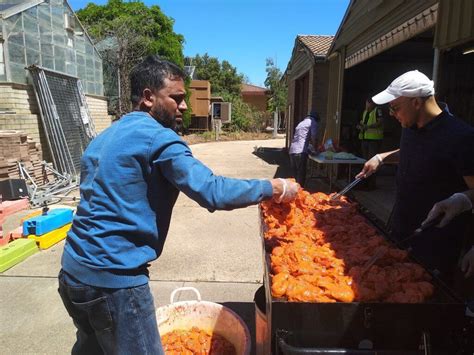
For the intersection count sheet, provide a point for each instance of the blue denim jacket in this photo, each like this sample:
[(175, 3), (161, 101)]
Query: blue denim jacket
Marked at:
[(131, 175)]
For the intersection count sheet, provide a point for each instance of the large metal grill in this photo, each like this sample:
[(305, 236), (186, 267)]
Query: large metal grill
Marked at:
[(433, 327)]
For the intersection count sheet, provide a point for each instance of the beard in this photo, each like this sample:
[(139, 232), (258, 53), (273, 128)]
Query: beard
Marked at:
[(167, 119)]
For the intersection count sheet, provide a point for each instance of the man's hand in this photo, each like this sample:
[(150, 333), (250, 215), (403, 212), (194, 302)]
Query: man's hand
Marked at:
[(370, 167), (467, 264), (284, 190), (449, 208)]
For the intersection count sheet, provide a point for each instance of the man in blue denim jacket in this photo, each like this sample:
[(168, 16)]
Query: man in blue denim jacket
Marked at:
[(130, 179)]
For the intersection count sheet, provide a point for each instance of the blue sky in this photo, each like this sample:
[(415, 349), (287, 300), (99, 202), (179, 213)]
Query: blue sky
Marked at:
[(246, 32)]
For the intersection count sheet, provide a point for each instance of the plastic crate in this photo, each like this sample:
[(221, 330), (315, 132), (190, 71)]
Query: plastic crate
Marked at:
[(15, 252), (47, 240), (43, 224)]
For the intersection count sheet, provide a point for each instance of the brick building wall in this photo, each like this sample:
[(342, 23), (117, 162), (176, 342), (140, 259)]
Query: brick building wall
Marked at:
[(98, 110), (19, 111), (259, 102)]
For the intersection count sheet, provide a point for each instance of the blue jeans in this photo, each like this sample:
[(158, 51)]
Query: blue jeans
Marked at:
[(111, 321)]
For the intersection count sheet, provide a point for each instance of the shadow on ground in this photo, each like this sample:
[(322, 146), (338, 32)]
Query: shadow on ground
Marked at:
[(275, 156)]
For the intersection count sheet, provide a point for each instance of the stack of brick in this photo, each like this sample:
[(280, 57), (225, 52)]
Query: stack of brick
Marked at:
[(16, 146), (8, 169)]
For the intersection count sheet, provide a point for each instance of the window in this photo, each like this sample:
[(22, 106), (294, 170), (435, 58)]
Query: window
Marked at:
[(50, 36)]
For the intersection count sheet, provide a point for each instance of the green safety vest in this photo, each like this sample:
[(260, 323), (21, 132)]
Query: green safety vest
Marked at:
[(371, 133)]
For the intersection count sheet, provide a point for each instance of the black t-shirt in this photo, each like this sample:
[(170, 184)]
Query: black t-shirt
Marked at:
[(433, 161)]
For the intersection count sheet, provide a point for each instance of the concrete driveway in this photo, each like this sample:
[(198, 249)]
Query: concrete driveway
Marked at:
[(218, 253)]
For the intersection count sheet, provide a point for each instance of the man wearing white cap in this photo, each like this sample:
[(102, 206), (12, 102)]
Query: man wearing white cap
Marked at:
[(435, 160)]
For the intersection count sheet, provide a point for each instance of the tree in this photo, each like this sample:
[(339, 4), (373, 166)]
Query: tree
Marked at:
[(227, 82), (222, 76), (244, 117), (278, 89), (125, 33)]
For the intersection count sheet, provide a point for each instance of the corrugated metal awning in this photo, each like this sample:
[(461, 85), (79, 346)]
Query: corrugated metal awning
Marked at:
[(414, 26), (332, 127), (455, 23)]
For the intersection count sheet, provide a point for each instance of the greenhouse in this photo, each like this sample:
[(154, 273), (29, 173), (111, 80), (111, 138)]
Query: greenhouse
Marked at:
[(46, 33)]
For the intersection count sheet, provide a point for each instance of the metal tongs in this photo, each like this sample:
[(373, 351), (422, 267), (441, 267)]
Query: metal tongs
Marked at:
[(379, 252), (418, 231), (345, 189)]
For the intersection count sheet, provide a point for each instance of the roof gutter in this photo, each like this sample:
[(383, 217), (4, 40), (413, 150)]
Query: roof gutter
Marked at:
[(319, 58)]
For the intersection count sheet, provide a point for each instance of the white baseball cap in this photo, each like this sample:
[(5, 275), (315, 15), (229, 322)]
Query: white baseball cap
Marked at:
[(410, 84)]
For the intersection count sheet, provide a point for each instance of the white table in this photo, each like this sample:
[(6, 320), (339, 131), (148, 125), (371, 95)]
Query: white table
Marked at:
[(323, 161)]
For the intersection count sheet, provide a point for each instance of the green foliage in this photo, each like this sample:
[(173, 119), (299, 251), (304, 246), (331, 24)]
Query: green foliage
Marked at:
[(187, 113), (125, 32), (222, 76), (227, 82), (244, 116), (278, 89), (151, 27), (208, 135)]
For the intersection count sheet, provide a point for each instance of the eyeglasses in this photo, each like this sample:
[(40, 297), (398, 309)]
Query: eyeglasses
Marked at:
[(392, 109)]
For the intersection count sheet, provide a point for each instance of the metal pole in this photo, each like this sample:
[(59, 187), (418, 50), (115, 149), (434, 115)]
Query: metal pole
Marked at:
[(275, 123), (435, 67), (216, 128)]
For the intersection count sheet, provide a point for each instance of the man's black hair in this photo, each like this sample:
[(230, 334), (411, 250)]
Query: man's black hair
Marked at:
[(315, 115), (150, 74)]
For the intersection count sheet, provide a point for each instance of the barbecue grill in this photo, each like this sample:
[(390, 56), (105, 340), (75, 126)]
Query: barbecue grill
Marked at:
[(437, 326)]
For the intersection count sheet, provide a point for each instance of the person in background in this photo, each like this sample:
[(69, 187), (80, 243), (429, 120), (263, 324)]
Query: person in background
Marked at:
[(370, 135), (435, 160), (131, 175), (304, 139), (448, 209)]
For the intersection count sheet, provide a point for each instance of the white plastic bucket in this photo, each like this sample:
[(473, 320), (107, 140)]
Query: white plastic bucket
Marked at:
[(208, 316)]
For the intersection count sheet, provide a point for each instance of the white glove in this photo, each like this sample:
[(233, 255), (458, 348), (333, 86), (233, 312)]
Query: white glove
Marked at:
[(285, 191), (370, 166), (450, 208)]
